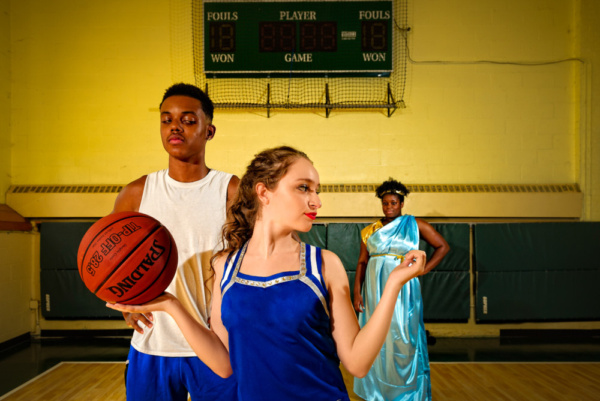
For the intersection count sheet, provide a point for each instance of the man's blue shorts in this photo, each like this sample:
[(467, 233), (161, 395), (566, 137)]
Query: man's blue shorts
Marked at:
[(159, 378)]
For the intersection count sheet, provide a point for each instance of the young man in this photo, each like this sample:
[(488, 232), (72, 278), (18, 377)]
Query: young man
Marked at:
[(190, 200)]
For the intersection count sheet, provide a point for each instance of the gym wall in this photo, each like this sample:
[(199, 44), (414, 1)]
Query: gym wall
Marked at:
[(4, 99), (522, 272), (80, 86), (87, 83)]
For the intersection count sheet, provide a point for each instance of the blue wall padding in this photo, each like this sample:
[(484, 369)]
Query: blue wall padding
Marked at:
[(445, 296), (59, 243), (536, 246), (445, 289), (343, 239), (537, 272), (317, 236), (63, 294), (523, 271)]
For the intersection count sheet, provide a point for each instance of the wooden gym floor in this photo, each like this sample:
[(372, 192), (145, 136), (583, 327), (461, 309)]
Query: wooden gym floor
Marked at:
[(461, 369), (102, 381)]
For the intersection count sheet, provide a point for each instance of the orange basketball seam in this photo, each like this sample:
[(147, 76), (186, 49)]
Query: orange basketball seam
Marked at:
[(159, 276), (148, 258), (90, 242), (109, 275)]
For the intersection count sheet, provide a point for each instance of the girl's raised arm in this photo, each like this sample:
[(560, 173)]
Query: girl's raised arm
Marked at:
[(358, 348)]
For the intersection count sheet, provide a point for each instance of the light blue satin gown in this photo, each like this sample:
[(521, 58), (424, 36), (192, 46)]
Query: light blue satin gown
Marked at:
[(401, 371)]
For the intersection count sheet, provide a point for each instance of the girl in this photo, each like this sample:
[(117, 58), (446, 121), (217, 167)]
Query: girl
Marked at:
[(282, 318)]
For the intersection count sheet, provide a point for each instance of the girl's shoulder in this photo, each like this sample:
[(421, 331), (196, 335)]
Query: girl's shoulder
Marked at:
[(328, 255), (333, 268), (221, 261)]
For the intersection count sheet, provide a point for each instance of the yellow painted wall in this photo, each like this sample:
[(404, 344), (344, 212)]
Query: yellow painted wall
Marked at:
[(4, 99), (85, 77), (88, 81), (590, 109), (17, 265), (85, 80)]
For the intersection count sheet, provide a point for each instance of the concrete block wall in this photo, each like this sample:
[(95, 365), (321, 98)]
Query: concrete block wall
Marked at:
[(80, 86), (87, 82)]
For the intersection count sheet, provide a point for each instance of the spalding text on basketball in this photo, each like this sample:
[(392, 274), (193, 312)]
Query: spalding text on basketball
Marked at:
[(127, 284)]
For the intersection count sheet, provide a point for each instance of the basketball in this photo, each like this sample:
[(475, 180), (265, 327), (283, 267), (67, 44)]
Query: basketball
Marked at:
[(127, 258)]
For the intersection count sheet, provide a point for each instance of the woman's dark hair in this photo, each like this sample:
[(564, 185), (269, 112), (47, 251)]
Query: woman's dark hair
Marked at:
[(267, 167), (392, 186)]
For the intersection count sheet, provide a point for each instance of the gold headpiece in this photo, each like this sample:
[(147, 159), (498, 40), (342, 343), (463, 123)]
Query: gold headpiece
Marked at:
[(393, 191)]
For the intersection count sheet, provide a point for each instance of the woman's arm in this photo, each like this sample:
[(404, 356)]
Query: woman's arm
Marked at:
[(359, 278), (358, 348), (435, 239), (206, 343)]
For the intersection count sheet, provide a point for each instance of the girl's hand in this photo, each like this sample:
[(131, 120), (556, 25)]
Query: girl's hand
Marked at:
[(159, 304), (412, 266), (415, 260)]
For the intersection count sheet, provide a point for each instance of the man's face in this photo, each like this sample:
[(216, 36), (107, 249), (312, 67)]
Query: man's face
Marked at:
[(184, 128)]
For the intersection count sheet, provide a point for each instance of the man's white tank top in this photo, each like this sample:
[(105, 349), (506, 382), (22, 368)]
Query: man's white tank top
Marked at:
[(194, 213)]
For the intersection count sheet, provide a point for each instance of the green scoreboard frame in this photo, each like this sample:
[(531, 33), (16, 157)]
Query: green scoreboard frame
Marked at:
[(312, 38)]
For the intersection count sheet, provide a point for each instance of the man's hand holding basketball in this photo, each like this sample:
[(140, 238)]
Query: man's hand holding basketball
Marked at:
[(133, 320)]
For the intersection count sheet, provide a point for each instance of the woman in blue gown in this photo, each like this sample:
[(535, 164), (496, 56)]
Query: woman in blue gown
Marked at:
[(401, 370), (281, 315)]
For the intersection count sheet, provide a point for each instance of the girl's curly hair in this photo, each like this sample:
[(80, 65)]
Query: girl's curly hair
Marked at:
[(267, 167)]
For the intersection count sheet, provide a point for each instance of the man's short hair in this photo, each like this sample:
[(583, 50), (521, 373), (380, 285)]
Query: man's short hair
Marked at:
[(182, 89)]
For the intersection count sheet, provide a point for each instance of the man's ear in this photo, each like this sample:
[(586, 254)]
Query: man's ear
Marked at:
[(211, 131)]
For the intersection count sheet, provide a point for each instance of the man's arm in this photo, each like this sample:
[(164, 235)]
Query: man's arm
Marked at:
[(130, 197), (234, 183), (129, 200)]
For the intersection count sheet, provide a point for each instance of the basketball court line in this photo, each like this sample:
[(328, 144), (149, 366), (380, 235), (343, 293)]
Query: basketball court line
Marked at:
[(50, 371), (32, 380)]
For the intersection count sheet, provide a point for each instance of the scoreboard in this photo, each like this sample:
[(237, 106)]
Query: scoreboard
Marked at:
[(258, 38)]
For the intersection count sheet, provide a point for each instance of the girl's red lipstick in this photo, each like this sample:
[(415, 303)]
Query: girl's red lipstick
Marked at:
[(311, 216)]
